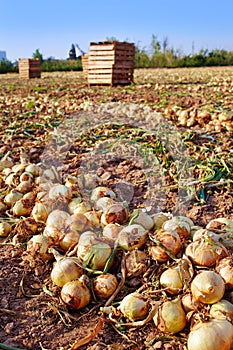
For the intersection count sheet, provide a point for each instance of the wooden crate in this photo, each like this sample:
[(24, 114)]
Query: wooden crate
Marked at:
[(29, 68), (85, 65), (110, 63)]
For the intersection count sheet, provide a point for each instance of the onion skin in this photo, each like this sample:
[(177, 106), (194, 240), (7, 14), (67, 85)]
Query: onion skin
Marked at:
[(75, 294), (222, 309), (225, 269), (65, 270), (104, 285), (171, 240), (134, 307), (205, 253), (171, 279), (207, 287), (212, 335), (170, 317), (132, 237), (115, 214)]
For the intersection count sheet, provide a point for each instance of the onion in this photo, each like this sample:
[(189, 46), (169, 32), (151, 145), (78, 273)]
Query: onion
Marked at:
[(143, 219), (134, 306), (101, 191), (205, 252), (170, 240), (65, 270), (75, 294), (159, 219), (40, 212), (79, 222), (171, 279), (26, 177), (34, 169), (211, 335), (69, 239), (222, 309), (86, 241), (57, 218), (81, 208), (188, 303), (73, 203), (170, 317), (132, 237), (135, 262), (225, 269), (220, 224), (21, 208), (179, 225), (98, 255), (111, 231), (11, 180), (38, 246), (104, 285), (115, 213), (12, 197), (24, 186), (5, 229), (102, 204), (93, 218), (59, 190), (207, 287)]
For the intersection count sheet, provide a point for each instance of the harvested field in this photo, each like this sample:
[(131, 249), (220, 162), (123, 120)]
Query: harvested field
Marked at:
[(162, 144)]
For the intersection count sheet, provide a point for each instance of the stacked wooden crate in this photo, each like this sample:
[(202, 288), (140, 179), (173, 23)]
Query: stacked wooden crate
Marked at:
[(85, 65), (111, 63), (29, 68)]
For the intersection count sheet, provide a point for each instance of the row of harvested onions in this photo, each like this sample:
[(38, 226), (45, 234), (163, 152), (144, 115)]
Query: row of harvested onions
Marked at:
[(90, 238)]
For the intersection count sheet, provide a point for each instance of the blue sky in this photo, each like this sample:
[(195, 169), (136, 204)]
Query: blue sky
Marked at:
[(53, 25)]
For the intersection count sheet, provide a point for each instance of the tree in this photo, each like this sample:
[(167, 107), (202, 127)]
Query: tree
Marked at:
[(37, 54)]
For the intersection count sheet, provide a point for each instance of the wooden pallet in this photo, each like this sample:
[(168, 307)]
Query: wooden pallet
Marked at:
[(110, 63), (29, 68), (85, 65)]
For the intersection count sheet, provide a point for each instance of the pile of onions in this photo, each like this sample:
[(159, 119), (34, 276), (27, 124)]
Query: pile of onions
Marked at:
[(189, 268)]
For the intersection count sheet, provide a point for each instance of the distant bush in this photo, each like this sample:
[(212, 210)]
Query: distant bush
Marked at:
[(61, 65), (7, 67)]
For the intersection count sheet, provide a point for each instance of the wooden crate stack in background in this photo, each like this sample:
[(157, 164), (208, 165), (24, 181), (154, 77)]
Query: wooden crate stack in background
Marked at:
[(29, 68), (110, 63), (85, 65)]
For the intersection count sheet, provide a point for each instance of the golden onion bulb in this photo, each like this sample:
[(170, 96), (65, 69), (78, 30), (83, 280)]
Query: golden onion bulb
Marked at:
[(111, 231), (170, 240), (69, 239), (143, 219), (12, 197), (101, 191), (105, 285), (132, 237), (38, 245), (224, 268), (171, 280), (5, 228), (212, 335), (75, 294), (116, 213), (134, 307), (159, 219), (170, 317), (65, 270), (135, 262), (207, 287), (222, 309), (40, 212), (206, 253)]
